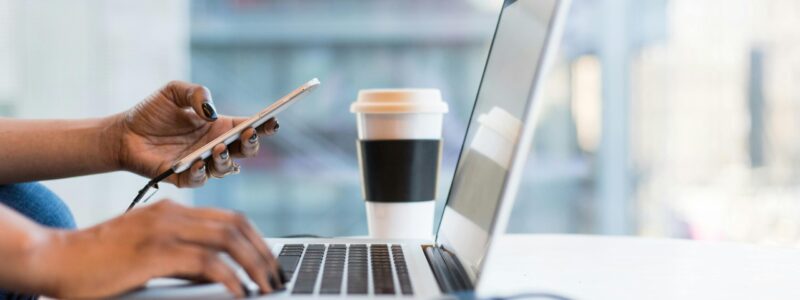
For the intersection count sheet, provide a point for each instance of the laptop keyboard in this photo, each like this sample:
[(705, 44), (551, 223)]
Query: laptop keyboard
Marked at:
[(331, 265)]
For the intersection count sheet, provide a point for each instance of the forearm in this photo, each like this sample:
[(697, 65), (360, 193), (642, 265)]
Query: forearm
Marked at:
[(21, 242), (49, 149)]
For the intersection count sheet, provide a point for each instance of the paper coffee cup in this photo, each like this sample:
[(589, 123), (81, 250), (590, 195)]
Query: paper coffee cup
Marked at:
[(399, 152)]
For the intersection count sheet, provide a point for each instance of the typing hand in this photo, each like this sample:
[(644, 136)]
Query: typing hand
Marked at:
[(174, 121), (160, 240)]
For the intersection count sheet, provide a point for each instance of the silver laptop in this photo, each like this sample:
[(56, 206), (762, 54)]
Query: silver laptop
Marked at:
[(479, 203)]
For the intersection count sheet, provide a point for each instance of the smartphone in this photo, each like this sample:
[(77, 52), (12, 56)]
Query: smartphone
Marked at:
[(232, 135)]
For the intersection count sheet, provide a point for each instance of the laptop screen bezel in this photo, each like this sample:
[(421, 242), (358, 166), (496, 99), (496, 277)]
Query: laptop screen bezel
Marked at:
[(521, 149)]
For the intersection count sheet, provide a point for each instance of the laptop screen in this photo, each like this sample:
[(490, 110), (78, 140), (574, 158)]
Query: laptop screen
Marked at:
[(495, 129)]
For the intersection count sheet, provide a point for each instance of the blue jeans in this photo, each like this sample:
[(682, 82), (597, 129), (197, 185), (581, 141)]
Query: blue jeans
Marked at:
[(39, 204)]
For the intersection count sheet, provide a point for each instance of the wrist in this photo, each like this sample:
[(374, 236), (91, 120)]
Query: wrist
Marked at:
[(111, 132), (41, 269)]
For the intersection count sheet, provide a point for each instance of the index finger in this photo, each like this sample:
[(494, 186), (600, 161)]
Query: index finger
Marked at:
[(246, 228), (227, 237), (198, 97)]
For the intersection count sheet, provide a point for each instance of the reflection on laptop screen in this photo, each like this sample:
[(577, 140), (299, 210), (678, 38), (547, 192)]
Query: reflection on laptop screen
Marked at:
[(494, 128)]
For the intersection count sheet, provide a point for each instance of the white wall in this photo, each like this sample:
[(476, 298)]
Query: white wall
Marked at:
[(78, 59)]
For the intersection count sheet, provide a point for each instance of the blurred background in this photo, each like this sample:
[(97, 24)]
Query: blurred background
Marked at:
[(670, 118)]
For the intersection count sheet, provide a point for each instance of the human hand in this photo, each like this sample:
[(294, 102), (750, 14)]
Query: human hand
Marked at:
[(160, 240), (173, 122)]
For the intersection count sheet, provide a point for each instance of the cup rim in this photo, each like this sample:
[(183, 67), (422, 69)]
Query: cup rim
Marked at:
[(399, 100)]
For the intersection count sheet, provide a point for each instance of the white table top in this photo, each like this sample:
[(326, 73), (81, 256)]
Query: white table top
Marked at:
[(603, 267)]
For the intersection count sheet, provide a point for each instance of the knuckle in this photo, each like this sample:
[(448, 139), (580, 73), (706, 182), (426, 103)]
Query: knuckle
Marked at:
[(204, 89), (208, 263), (199, 182), (250, 149), (173, 84), (263, 264), (195, 178), (160, 230), (160, 205), (165, 204), (240, 219), (230, 234), (219, 171), (154, 244)]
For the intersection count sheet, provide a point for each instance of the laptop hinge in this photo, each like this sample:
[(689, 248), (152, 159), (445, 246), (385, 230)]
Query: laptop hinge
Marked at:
[(447, 269)]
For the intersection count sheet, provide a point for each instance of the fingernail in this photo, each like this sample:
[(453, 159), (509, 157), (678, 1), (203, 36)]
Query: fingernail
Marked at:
[(246, 291), (224, 155), (282, 276), (201, 169), (209, 110), (236, 168), (253, 138), (272, 282)]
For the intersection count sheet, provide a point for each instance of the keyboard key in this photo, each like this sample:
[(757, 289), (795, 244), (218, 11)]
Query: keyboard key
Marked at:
[(309, 269), (289, 257), (334, 270), (357, 270), (382, 279), (288, 264), (402, 270)]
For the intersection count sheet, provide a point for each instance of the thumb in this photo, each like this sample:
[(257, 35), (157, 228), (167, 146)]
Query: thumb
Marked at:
[(196, 96)]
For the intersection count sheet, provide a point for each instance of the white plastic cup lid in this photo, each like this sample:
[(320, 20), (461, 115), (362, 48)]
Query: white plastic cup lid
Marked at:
[(397, 101), (502, 122)]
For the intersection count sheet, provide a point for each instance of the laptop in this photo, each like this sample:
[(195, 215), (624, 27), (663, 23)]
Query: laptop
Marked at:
[(478, 206)]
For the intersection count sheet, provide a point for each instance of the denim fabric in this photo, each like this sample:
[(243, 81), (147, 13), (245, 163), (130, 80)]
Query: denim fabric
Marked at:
[(39, 204)]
